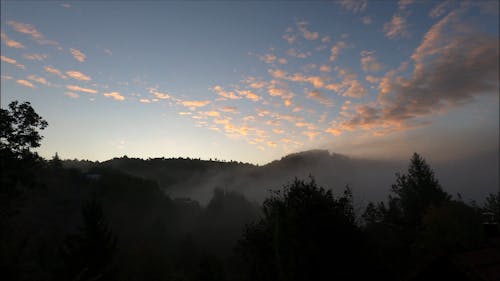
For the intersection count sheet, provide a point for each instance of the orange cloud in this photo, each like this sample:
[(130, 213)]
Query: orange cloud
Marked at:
[(12, 61), (335, 50), (369, 63), (249, 95), (195, 104), (11, 43), (25, 83), (230, 109), (228, 95), (78, 75), (55, 71), (39, 79), (31, 31), (354, 6), (158, 94), (78, 55), (114, 95), (306, 33), (397, 27), (38, 57), (80, 89), (318, 96), (72, 95)]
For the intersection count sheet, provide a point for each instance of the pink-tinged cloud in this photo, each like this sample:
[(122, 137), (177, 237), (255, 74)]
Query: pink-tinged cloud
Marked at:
[(39, 79), (72, 95), (366, 20), (183, 113), (440, 9), (31, 31), (55, 71), (10, 43), (396, 28), (325, 68), (78, 75), (195, 104), (114, 95), (297, 54), (355, 6), (144, 100), (306, 33), (272, 144), (230, 109), (12, 61), (212, 113), (66, 5), (6, 77), (336, 49), (225, 94), (80, 89), (403, 4), (78, 55), (37, 57), (159, 95), (334, 131), (25, 83), (369, 62), (268, 58), (311, 134), (319, 97), (249, 95)]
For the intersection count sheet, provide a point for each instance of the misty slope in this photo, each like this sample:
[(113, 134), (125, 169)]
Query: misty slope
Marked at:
[(369, 179)]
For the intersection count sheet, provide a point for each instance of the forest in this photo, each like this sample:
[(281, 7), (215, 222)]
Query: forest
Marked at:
[(80, 220)]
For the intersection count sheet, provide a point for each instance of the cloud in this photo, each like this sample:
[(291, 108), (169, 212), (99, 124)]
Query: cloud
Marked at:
[(108, 51), (318, 96), (268, 58), (272, 144), (55, 71), (349, 87), (452, 66), (230, 109), (195, 104), (145, 101), (114, 95), (225, 94), (158, 94), (11, 43), (66, 5), (25, 83), (212, 113), (311, 134), (12, 61), (296, 54), (403, 4), (31, 31), (440, 9), (369, 62), (78, 55), (80, 89), (72, 95), (37, 57), (39, 79), (397, 27), (78, 75), (249, 95), (325, 68), (354, 6), (306, 33), (6, 77), (335, 50), (366, 20)]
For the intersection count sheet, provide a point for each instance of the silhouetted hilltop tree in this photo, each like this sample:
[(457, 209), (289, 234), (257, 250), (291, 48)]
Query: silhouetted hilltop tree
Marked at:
[(305, 234), (492, 206), (415, 192), (88, 254)]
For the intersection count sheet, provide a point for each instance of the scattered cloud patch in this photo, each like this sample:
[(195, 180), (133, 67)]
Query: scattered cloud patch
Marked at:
[(12, 61), (25, 83), (55, 71), (78, 75), (78, 55), (76, 88), (114, 95), (11, 43)]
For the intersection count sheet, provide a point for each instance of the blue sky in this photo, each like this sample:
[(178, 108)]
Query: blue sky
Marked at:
[(253, 81)]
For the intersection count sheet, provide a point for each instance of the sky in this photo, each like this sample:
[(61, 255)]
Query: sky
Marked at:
[(254, 81)]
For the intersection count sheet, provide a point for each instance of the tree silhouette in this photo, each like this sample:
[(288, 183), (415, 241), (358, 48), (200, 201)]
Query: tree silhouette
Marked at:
[(415, 192), (305, 234), (88, 254)]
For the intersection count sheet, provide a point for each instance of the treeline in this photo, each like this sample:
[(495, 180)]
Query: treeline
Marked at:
[(62, 223)]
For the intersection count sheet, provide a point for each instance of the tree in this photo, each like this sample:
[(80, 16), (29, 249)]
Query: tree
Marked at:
[(88, 254), (19, 129), (416, 191), (305, 234)]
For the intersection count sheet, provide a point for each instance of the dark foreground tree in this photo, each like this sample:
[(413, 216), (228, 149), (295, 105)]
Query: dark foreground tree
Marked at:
[(416, 191), (88, 254), (305, 234)]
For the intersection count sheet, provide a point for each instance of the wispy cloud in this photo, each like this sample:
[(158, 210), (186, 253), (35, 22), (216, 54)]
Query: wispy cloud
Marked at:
[(158, 94), (114, 95), (55, 71), (306, 33), (11, 43), (369, 62), (81, 89), (72, 95), (319, 97), (354, 6), (193, 104), (78, 55), (12, 61), (37, 57), (335, 50), (39, 79), (397, 27), (25, 83), (225, 94), (31, 31), (78, 75), (249, 95)]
